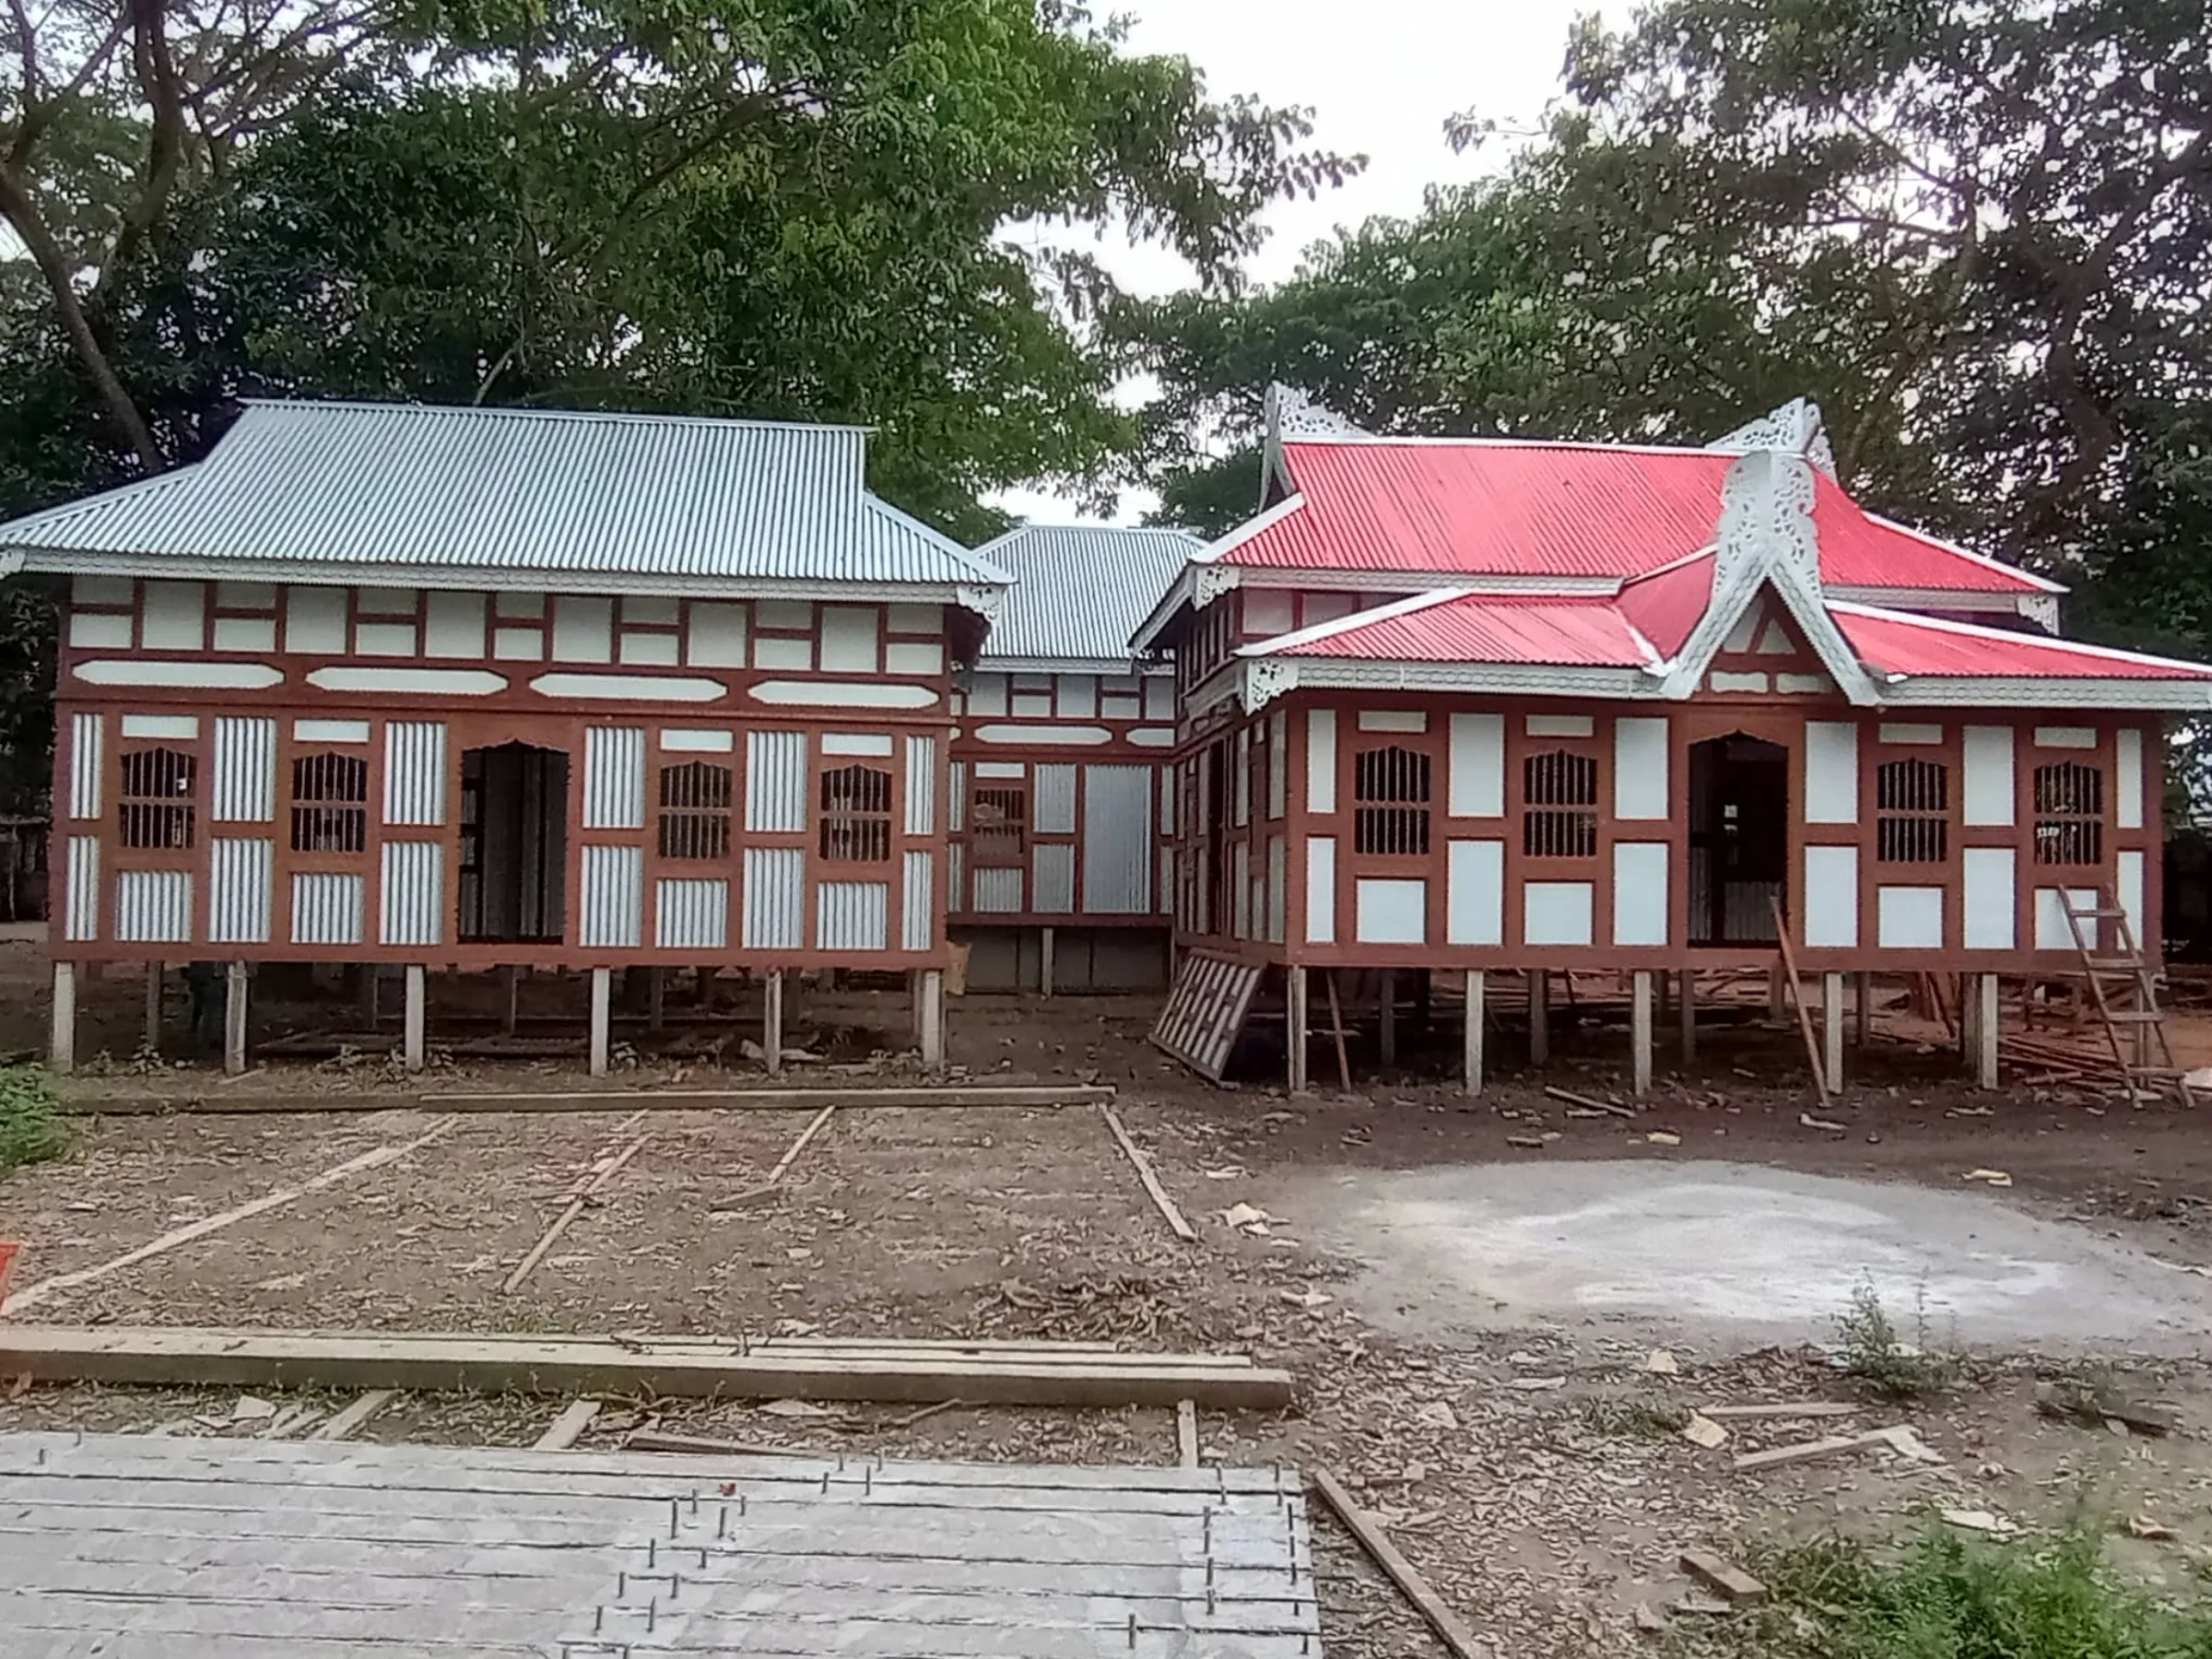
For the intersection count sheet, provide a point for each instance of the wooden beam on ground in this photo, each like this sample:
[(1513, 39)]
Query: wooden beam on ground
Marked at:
[(688, 1367), (567, 1428), (654, 1440), (1186, 1434), (799, 1146), (968, 1096), (1158, 1193), (1449, 1626), (1801, 1409), (1796, 990), (607, 1170), (350, 1421), (33, 1294)]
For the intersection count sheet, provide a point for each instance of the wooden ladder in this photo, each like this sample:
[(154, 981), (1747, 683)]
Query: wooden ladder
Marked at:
[(2125, 969)]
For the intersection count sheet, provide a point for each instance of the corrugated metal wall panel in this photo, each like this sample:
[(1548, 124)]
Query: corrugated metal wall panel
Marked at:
[(955, 872), (956, 809), (775, 899), (328, 907), (998, 891), (691, 914), (1167, 799), (1117, 840), (413, 777), (1278, 898), (153, 907), (1052, 809), (411, 905), (775, 782), (614, 778), (921, 786), (852, 915), (917, 929), (85, 758), (81, 919), (614, 898), (1053, 871), (239, 876), (1167, 881), (245, 771)]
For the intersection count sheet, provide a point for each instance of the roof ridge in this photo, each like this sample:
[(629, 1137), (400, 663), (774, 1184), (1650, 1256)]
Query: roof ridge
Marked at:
[(508, 411)]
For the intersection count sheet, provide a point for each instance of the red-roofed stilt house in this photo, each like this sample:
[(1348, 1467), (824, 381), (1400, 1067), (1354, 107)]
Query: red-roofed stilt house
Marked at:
[(1479, 705)]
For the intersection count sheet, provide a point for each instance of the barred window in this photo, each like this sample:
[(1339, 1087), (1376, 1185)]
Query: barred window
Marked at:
[(695, 811), (1390, 797), (1912, 803), (998, 821), (2069, 814), (856, 814), (156, 811), (1559, 796), (330, 803)]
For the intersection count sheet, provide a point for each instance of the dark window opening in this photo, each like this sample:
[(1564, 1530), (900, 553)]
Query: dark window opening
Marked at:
[(156, 811), (514, 844), (2069, 814), (695, 811), (330, 803), (1558, 793), (998, 826), (1390, 797), (1913, 800), (856, 815)]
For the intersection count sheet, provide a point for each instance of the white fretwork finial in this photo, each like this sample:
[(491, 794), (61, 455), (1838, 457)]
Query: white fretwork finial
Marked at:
[(1796, 428)]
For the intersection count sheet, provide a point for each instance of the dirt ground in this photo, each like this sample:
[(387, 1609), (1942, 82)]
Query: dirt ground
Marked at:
[(1528, 1468)]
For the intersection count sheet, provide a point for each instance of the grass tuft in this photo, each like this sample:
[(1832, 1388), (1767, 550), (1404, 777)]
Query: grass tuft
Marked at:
[(1881, 1359), (31, 1118)]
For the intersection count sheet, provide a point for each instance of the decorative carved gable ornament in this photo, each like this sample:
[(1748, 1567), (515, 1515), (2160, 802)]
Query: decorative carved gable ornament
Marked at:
[(1267, 679), (1796, 428)]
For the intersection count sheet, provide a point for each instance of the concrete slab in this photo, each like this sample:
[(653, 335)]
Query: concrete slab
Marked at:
[(1730, 1255)]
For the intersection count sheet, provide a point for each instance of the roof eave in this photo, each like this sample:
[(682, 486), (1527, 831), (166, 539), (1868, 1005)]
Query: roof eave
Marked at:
[(2046, 692)]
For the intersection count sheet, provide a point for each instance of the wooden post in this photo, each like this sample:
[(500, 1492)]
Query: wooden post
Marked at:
[(1832, 1028), (511, 979), (153, 1008), (1639, 1030), (1777, 1007), (771, 1023), (1688, 1011), (603, 1000), (61, 1043), (656, 1005), (933, 1017), (1471, 1059), (1386, 1016), (1862, 1007), (1296, 1028), (1539, 1015), (417, 1022), (1666, 989), (369, 971), (234, 1019), (1985, 1033), (1044, 959)]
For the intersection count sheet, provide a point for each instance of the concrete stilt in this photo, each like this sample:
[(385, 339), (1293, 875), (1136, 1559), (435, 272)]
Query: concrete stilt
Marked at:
[(1296, 1028), (771, 1023), (933, 1017), (1386, 1016), (416, 1028), (1832, 1028), (1471, 1058), (1985, 1032), (1046, 942), (603, 1004), (153, 1008), (655, 1002), (1639, 1030), (1862, 1007), (1778, 1006), (511, 981), (1539, 1017), (234, 1019), (1687, 1009), (61, 1043), (369, 1012)]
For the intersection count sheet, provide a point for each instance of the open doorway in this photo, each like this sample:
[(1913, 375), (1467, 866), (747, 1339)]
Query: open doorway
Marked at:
[(1739, 838), (514, 844)]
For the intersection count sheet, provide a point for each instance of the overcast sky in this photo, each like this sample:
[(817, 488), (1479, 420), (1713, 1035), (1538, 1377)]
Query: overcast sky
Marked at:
[(1382, 76)]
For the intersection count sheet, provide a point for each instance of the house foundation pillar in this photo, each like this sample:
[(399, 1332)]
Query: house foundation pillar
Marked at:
[(1471, 1057), (234, 1019), (1985, 1030), (418, 1017), (603, 1007), (771, 1023), (1687, 1010), (61, 1041), (933, 1017), (1639, 1030), (1045, 944), (153, 1008), (1296, 1029), (1386, 1017), (1832, 1028), (1539, 1015)]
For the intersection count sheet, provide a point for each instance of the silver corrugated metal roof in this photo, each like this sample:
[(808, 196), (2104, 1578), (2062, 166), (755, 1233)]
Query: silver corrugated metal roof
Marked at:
[(1080, 590), (304, 484)]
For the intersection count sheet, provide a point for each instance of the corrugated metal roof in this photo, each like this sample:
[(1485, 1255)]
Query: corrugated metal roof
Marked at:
[(399, 484), (1568, 631), (1897, 643), (1668, 605), (1080, 590), (1501, 509)]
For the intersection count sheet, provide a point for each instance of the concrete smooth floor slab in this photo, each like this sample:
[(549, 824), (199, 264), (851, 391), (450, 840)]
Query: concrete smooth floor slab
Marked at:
[(1730, 1255)]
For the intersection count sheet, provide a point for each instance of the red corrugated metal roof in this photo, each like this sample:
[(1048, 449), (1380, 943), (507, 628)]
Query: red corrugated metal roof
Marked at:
[(1666, 604), (1497, 509), (1563, 632), (1901, 645)]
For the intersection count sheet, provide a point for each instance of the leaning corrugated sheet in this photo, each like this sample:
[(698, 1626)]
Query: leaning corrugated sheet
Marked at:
[(1080, 590)]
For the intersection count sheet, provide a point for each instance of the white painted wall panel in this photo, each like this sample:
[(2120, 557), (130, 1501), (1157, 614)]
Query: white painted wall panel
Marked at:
[(774, 898), (1117, 840), (1474, 897), (1560, 725), (987, 694), (1832, 773), (454, 626), (1899, 731), (87, 753), (714, 635), (1986, 796), (100, 590), (583, 629), (1393, 912), (1640, 766), (2128, 876), (315, 621), (917, 918), (637, 649), (1321, 760), (2053, 737), (921, 786), (1831, 899), (1321, 889), (774, 651), (100, 630), (614, 778), (244, 782), (1476, 787), (775, 784), (1278, 879), (1988, 897), (691, 914), (411, 897), (2127, 782), (1392, 720), (2053, 932), (153, 907), (415, 772), (256, 634), (1159, 697), (1079, 696), (913, 657), (1908, 918), (852, 915), (1639, 892), (173, 616), (239, 896), (1557, 912), (80, 916), (849, 644), (329, 906), (383, 639), (1053, 869), (179, 726)]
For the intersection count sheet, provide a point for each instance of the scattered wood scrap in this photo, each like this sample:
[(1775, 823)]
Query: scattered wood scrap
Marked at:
[(1143, 1165), (799, 1146), (582, 1195), (1449, 1626), (567, 1428), (654, 1440), (349, 1421), (1899, 1438), (1588, 1104), (2092, 1405), (156, 1104), (1186, 1434), (1788, 1409), (911, 1418), (1724, 1576)]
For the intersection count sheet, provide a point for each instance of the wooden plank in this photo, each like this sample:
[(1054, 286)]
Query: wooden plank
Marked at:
[(656, 1439), (350, 1420), (1722, 1575), (1809, 1451), (1801, 1409), (1804, 1014), (613, 1099), (563, 1365), (45, 1288), (1588, 1104), (1186, 1434), (1449, 1626), (567, 1428), (799, 1146), (1143, 1165), (605, 1173)]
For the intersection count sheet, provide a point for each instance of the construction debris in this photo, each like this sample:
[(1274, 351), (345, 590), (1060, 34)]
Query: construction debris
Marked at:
[(1788, 1409), (1704, 1431), (1150, 1181), (1449, 1626), (1722, 1575)]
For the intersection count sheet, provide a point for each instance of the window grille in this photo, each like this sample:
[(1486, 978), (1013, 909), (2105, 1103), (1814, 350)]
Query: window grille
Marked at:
[(856, 815), (998, 826), (156, 809), (330, 803), (1558, 795), (695, 811), (1912, 803), (2069, 814), (1390, 797)]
